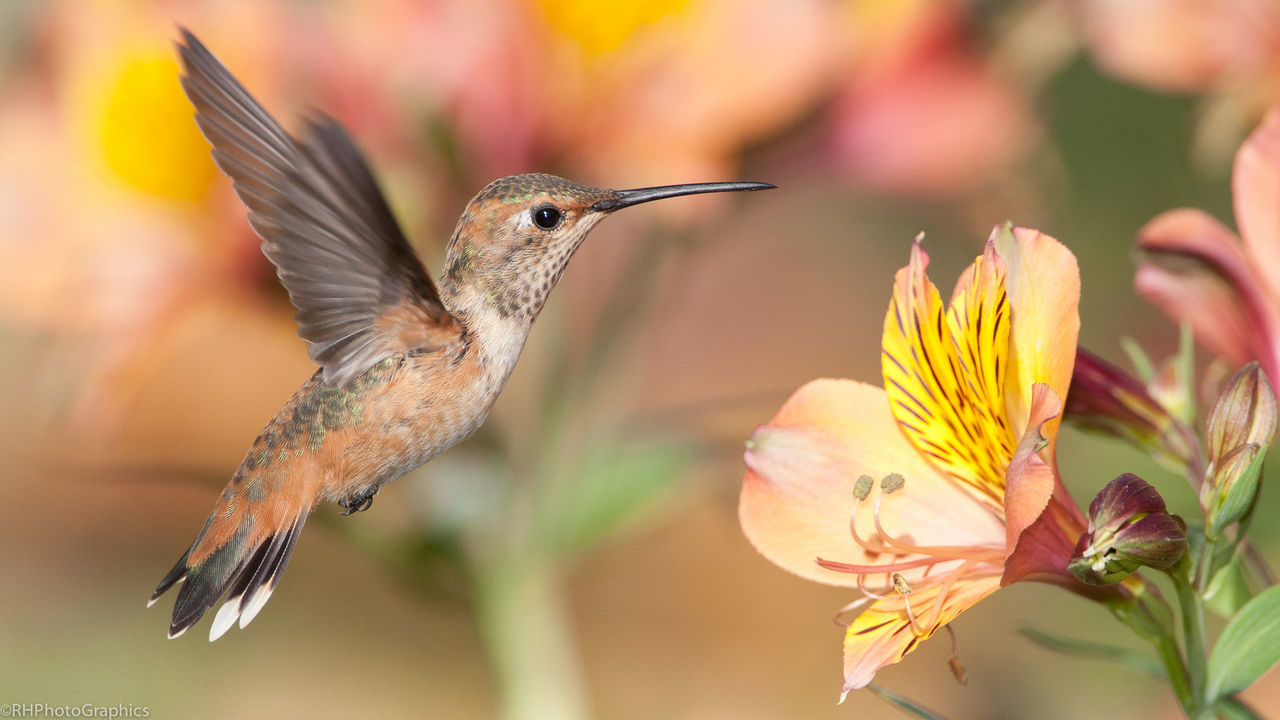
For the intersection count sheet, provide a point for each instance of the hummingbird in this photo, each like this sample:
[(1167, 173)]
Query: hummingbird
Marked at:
[(407, 368)]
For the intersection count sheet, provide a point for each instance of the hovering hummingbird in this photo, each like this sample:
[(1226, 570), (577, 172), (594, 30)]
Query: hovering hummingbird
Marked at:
[(408, 368)]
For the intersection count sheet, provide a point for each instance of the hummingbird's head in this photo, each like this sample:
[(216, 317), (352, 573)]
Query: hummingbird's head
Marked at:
[(516, 235)]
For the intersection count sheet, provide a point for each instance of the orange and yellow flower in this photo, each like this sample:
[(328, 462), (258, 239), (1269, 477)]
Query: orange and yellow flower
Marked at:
[(961, 442)]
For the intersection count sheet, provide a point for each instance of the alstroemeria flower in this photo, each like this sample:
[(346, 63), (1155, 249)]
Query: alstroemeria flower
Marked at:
[(966, 424), (1199, 272)]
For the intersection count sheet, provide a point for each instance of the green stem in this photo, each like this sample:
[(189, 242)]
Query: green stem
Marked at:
[(1200, 569), (1171, 658), (1146, 613), (528, 633), (1191, 608)]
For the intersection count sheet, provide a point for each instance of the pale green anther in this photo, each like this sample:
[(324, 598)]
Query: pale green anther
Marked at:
[(862, 488), (892, 482)]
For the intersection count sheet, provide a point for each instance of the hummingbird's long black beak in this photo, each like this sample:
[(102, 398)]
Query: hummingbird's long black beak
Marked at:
[(627, 198)]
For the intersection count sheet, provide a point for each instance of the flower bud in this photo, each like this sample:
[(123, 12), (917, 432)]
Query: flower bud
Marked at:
[(1105, 398), (1241, 426), (1128, 529)]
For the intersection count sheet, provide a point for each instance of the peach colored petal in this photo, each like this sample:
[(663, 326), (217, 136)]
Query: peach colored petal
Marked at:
[(883, 634), (1045, 547), (1193, 269), (1255, 187), (1042, 521), (1030, 481), (797, 495), (1203, 300), (1043, 284)]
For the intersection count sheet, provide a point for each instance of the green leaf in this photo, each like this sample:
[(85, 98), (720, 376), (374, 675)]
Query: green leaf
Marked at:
[(904, 704), (1248, 646), (612, 486), (1142, 365), (1136, 660), (1231, 708), (1240, 493), (1229, 589)]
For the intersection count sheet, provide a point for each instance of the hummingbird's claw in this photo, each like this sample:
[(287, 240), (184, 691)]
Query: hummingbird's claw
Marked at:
[(357, 503)]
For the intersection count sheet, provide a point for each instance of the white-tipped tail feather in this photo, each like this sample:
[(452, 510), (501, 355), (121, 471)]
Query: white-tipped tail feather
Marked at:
[(256, 601), (244, 608), (251, 576), (225, 618)]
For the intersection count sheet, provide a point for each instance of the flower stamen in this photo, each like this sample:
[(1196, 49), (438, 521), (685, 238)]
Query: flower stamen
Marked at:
[(872, 594), (882, 542), (903, 588), (957, 669), (933, 570)]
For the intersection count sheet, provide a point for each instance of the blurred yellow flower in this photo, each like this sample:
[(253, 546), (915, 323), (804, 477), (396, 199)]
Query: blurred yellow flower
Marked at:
[(599, 30), (145, 129)]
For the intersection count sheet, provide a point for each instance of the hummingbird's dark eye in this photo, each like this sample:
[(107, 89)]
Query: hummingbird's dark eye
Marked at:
[(546, 217)]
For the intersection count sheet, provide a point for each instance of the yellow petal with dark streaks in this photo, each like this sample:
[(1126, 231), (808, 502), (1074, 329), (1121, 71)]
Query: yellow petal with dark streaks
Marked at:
[(883, 633), (944, 371)]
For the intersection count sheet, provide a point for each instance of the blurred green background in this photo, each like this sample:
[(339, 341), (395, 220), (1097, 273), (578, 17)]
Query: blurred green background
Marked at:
[(589, 531)]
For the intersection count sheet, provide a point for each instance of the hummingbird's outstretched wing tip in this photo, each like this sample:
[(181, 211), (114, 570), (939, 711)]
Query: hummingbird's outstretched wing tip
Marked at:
[(359, 288)]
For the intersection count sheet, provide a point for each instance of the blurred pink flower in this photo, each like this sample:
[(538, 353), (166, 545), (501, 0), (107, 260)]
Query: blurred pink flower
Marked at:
[(1184, 45), (1227, 50), (922, 113), (1199, 272)]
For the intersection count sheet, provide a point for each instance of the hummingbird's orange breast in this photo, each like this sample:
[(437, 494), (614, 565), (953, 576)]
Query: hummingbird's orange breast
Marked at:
[(429, 403)]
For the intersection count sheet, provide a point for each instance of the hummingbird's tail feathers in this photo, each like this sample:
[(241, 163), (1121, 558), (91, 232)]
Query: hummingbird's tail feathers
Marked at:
[(176, 575), (256, 581), (251, 569)]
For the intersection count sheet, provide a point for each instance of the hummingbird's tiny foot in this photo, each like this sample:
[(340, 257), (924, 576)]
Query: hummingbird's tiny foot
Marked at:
[(357, 503)]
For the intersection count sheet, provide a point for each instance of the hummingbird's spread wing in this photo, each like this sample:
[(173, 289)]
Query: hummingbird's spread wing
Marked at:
[(360, 291)]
